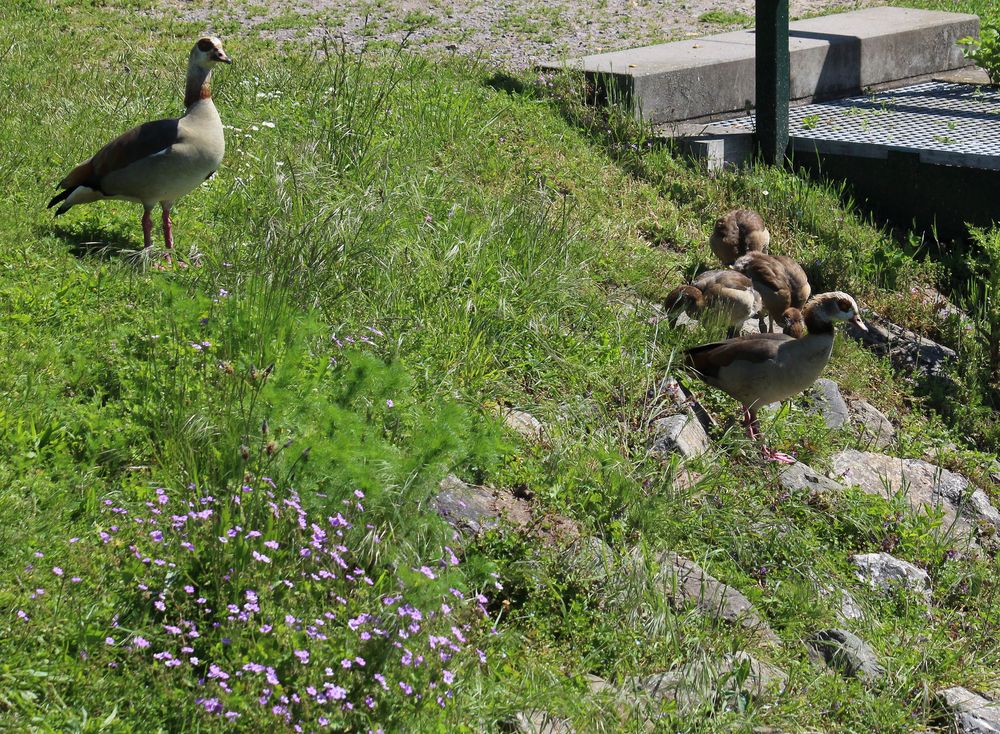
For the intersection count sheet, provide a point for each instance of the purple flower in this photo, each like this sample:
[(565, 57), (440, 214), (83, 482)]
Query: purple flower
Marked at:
[(57, 571), (303, 656), (448, 677), (21, 614), (109, 640), (272, 544), (140, 642)]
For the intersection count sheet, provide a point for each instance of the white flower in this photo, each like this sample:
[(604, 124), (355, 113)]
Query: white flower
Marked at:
[(267, 124)]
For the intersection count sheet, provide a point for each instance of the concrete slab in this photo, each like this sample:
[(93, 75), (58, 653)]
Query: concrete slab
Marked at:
[(830, 55)]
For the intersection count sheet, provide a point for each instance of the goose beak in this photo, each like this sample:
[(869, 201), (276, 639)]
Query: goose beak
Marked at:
[(856, 320), (220, 55)]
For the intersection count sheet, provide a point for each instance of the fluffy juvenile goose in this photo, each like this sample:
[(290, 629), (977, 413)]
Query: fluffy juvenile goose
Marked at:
[(738, 232), (781, 282), (160, 161), (764, 368), (726, 294)]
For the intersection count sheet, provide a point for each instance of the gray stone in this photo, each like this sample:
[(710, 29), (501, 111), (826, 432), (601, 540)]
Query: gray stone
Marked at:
[(524, 424), (873, 427), (591, 558), (683, 321), (887, 572), (906, 350), (681, 433), (924, 484), (829, 403), (847, 653), (972, 713), (540, 722), (834, 54), (684, 581), (798, 477), (847, 607), (750, 326), (707, 683), (467, 508)]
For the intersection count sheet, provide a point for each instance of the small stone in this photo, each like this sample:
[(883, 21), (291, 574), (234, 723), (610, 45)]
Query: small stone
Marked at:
[(926, 486), (847, 653), (540, 722), (972, 713), (829, 403), (801, 478), (873, 427), (524, 424), (702, 683), (687, 582), (681, 433), (591, 558), (887, 572), (750, 326), (847, 607), (467, 508)]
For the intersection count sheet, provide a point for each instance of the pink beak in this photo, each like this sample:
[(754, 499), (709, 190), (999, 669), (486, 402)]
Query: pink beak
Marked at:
[(859, 323)]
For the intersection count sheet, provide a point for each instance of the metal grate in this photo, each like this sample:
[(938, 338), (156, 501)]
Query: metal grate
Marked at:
[(948, 124)]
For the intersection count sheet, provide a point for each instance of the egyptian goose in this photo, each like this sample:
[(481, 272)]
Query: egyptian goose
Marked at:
[(738, 232), (725, 294), (160, 161), (764, 368), (781, 282)]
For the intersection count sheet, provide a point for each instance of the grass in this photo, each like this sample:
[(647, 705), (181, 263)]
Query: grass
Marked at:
[(409, 246)]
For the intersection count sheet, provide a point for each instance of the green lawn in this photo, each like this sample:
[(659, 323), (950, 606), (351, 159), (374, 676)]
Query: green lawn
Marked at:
[(216, 481)]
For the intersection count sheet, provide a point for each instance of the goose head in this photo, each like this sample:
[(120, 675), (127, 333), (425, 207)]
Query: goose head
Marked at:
[(208, 52), (834, 306)]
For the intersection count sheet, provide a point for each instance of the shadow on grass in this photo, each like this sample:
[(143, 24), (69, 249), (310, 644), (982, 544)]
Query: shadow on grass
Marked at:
[(103, 243), (506, 83)]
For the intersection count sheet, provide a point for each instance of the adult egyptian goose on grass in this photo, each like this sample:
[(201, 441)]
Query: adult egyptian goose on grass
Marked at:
[(764, 368), (738, 232), (723, 294), (781, 282), (160, 161)]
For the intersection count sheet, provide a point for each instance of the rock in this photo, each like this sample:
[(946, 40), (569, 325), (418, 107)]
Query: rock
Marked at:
[(886, 572), (847, 608), (591, 558), (683, 321), (973, 713), (801, 478), (926, 486), (540, 722), (467, 508), (705, 684), (470, 510), (750, 326), (828, 402), (906, 350), (682, 433), (847, 653), (684, 581), (873, 427), (524, 424)]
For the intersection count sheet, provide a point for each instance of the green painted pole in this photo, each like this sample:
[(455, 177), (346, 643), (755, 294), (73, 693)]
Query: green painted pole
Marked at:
[(772, 80)]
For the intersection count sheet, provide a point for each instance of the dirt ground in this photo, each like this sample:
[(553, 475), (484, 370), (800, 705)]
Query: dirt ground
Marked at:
[(517, 33)]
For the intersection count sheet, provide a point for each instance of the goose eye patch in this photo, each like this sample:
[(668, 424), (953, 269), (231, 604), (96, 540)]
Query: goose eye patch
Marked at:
[(205, 44)]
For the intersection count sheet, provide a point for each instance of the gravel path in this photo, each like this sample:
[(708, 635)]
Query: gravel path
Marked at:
[(517, 33)]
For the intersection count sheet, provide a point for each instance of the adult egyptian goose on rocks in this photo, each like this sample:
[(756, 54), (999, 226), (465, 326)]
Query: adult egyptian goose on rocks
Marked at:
[(160, 161), (738, 232), (724, 294), (781, 282), (764, 368)]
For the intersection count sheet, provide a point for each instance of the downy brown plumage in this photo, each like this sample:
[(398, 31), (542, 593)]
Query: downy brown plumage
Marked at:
[(738, 232), (724, 294), (781, 282)]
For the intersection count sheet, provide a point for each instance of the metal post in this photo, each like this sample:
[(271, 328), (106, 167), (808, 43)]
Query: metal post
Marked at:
[(772, 80)]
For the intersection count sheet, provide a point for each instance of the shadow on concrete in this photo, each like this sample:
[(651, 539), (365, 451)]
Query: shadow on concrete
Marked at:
[(841, 70)]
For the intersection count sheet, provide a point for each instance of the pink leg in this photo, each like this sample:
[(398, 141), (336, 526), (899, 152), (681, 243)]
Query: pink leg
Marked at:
[(753, 430), (168, 230), (147, 229)]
